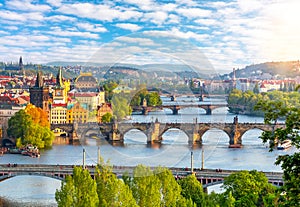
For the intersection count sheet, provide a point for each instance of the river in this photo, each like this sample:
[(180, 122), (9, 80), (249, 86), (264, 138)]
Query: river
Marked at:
[(173, 152)]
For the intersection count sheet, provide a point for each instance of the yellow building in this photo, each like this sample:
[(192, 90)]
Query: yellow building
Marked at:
[(77, 112), (103, 109), (58, 115)]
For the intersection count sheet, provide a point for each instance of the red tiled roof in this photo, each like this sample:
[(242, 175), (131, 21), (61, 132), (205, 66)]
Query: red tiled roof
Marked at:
[(59, 104)]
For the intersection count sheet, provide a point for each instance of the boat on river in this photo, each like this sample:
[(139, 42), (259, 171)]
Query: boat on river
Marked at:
[(30, 150), (284, 145)]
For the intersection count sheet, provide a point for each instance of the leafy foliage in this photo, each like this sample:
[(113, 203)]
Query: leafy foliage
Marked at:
[(248, 187), (112, 191), (106, 118), (192, 189), (245, 102), (78, 190), (30, 126), (120, 106), (275, 110)]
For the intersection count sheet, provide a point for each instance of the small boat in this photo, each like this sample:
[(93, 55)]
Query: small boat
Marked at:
[(30, 150), (284, 145)]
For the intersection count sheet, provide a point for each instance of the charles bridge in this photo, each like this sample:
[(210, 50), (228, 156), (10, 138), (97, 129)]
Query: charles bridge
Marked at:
[(207, 177), (176, 107), (115, 131)]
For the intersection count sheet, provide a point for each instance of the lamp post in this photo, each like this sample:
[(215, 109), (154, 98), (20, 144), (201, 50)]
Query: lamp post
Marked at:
[(83, 159), (99, 157), (192, 162), (202, 163)]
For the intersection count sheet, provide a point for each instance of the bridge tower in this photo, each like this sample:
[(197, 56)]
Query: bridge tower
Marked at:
[(154, 134), (173, 98), (235, 138)]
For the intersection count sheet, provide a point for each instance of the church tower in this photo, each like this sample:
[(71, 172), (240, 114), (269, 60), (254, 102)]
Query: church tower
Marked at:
[(59, 89), (39, 94)]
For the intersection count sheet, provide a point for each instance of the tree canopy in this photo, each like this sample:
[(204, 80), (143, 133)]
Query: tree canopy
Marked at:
[(245, 102), (30, 126), (290, 113), (248, 188)]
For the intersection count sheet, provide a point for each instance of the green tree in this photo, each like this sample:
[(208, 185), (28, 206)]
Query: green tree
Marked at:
[(18, 124), (256, 89), (153, 99), (78, 190), (111, 190), (120, 106), (170, 189), (146, 187), (248, 188), (106, 118), (192, 189), (109, 86), (25, 130), (275, 110)]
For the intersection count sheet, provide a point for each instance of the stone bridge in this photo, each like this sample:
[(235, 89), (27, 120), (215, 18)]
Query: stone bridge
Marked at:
[(194, 131), (207, 177), (77, 131), (176, 107)]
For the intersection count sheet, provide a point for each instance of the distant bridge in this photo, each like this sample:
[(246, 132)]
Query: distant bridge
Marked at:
[(207, 177), (176, 107)]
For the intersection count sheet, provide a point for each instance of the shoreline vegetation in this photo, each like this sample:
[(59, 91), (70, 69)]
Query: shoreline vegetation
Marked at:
[(244, 102)]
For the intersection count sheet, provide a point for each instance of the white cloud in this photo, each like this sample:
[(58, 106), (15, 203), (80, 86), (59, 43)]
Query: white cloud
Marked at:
[(98, 12), (60, 18), (137, 40), (9, 15), (11, 27), (191, 13), (26, 5), (66, 33), (129, 26), (157, 17), (3, 33), (55, 3), (91, 27)]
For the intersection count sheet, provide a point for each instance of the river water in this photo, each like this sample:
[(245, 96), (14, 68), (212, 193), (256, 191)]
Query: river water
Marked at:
[(173, 152)]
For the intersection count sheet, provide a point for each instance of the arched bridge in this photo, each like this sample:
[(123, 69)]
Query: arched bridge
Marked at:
[(76, 131), (194, 131), (206, 176), (176, 107)]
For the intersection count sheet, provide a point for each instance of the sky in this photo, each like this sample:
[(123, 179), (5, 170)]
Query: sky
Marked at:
[(207, 34)]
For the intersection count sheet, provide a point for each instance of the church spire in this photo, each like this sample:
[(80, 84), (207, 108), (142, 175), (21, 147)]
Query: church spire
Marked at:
[(39, 79), (59, 79)]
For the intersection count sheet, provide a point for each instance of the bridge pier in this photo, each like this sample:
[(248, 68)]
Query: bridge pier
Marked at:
[(208, 111), (175, 109), (201, 98), (145, 110)]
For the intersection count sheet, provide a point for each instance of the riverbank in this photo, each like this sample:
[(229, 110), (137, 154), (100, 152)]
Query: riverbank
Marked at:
[(5, 202)]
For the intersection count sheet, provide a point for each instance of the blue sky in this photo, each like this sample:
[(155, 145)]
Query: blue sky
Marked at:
[(211, 35)]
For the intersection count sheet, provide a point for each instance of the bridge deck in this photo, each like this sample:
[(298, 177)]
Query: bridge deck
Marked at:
[(25, 169)]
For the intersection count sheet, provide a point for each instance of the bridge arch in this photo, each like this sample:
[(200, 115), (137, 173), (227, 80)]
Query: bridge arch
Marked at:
[(251, 136), (54, 175), (219, 136), (175, 135), (175, 126), (142, 136)]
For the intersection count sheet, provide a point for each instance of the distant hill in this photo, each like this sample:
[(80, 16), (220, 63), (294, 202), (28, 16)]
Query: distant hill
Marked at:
[(286, 69), (165, 70)]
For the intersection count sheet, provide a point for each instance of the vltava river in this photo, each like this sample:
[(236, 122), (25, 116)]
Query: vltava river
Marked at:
[(173, 152)]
